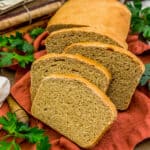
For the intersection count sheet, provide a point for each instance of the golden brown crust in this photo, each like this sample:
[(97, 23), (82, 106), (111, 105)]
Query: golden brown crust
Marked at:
[(79, 58), (93, 14), (109, 46), (101, 31)]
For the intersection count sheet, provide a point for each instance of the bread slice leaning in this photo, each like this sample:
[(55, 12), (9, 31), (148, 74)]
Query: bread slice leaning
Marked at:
[(74, 107), (58, 40), (66, 64), (126, 69), (93, 13)]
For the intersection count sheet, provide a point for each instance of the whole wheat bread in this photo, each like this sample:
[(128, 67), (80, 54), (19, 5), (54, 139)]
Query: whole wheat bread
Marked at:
[(78, 13), (58, 40), (74, 107), (66, 64), (126, 69)]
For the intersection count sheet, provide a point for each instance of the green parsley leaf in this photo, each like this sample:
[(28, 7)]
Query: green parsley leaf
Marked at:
[(20, 44), (18, 129), (3, 41), (6, 59), (24, 60), (16, 43), (15, 146), (9, 122), (5, 145), (43, 144), (145, 14), (35, 32), (138, 4), (13, 43), (9, 146), (146, 76), (135, 11), (18, 35), (33, 135), (146, 32), (27, 48), (140, 21), (138, 25)]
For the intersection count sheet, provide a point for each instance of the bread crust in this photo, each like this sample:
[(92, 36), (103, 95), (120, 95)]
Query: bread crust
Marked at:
[(109, 46), (97, 66), (79, 58), (93, 14), (103, 31)]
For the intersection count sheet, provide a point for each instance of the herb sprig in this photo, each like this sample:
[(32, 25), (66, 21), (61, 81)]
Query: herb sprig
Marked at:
[(15, 45), (17, 129), (146, 76), (37, 31), (140, 21), (16, 42), (8, 57)]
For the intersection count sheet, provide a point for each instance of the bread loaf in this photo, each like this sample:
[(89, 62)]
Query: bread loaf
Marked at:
[(93, 13), (74, 107), (58, 40), (126, 69), (66, 64)]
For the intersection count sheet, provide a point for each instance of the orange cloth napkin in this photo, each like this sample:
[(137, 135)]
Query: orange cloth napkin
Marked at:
[(130, 128), (136, 46)]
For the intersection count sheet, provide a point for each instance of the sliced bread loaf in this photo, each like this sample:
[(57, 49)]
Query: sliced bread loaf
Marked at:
[(74, 107), (58, 40), (66, 64), (76, 13), (126, 69)]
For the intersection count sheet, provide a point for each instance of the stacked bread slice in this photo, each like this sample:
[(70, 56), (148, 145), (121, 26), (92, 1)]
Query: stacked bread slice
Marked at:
[(126, 69), (58, 40), (74, 107), (88, 72), (69, 64)]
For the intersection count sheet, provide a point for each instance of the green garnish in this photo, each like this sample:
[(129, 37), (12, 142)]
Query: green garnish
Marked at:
[(3, 41), (15, 44), (35, 32), (9, 145), (17, 129), (146, 76), (6, 59), (140, 21)]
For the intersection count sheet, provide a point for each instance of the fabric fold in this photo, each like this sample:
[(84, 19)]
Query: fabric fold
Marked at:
[(130, 127)]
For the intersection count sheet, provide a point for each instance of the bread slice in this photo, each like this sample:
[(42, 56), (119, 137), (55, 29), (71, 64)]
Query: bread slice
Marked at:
[(126, 69), (74, 107), (93, 13), (66, 64), (58, 40)]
